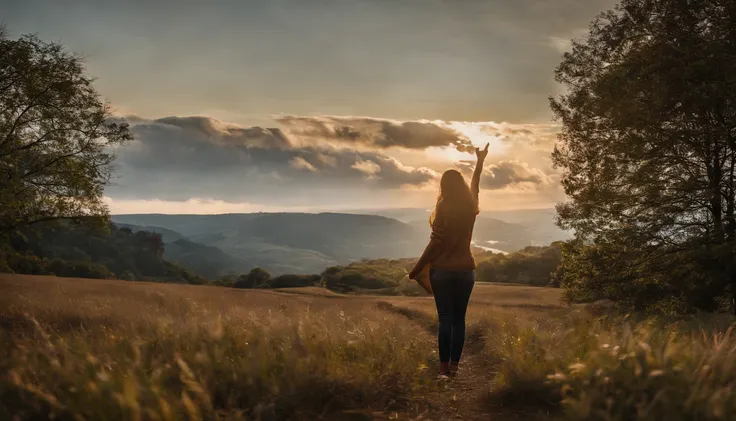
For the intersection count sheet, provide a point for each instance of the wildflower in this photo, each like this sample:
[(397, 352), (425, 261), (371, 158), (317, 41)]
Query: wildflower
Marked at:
[(656, 373), (558, 377), (577, 367)]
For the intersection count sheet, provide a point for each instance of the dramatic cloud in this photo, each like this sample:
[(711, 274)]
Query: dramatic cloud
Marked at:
[(177, 158), (217, 131), (368, 167), (509, 173), (302, 163), (504, 174), (374, 132)]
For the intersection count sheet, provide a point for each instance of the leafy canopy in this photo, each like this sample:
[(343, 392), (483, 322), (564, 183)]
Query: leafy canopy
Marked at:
[(648, 142), (57, 136)]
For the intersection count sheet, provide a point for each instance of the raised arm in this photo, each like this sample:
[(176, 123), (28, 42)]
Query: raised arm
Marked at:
[(475, 184)]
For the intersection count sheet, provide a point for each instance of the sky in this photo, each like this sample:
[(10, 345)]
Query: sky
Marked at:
[(305, 105)]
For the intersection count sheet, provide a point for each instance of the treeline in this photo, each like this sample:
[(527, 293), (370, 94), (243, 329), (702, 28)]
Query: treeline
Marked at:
[(537, 266), (378, 277), (647, 153), (532, 265), (91, 248), (94, 248)]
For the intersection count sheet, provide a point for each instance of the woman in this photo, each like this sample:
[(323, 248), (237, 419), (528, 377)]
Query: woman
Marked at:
[(451, 261)]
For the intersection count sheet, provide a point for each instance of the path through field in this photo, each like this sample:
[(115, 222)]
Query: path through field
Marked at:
[(79, 303), (466, 396)]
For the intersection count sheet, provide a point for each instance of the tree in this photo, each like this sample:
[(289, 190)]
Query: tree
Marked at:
[(648, 142), (255, 278), (56, 135)]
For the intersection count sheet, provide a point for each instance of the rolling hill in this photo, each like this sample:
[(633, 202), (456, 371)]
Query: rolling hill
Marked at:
[(289, 242), (282, 243), (512, 229)]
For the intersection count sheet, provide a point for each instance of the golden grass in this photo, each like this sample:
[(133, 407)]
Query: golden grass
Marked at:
[(580, 367), (89, 349), (78, 349), (82, 349)]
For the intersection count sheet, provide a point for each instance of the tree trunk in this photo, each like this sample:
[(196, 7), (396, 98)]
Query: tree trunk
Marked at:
[(716, 202)]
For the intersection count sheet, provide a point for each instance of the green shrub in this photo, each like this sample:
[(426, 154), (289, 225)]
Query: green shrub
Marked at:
[(67, 269), (256, 278), (531, 265), (293, 281), (366, 275)]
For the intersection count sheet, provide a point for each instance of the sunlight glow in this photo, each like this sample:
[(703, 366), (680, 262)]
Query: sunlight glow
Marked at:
[(479, 134)]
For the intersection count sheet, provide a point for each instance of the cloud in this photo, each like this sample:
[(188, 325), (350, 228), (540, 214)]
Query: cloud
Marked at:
[(505, 174), (177, 158), (368, 167), (509, 173), (226, 133), (302, 163), (374, 132)]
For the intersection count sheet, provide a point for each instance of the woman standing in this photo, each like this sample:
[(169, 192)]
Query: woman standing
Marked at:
[(451, 261)]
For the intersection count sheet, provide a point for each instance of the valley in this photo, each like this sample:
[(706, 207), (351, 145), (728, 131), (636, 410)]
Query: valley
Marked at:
[(217, 245)]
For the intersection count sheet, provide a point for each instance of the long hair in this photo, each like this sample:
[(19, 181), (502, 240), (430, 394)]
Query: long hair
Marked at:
[(455, 197)]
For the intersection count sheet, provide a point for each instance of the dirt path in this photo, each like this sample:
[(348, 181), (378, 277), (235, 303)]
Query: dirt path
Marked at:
[(463, 397), (466, 396)]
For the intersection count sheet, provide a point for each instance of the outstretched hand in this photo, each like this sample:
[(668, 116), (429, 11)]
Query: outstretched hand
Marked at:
[(482, 153)]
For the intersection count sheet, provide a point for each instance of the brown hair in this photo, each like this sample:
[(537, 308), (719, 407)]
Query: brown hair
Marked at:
[(455, 197)]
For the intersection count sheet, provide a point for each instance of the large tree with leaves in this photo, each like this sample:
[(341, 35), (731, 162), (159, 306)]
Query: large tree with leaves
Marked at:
[(648, 147), (57, 136)]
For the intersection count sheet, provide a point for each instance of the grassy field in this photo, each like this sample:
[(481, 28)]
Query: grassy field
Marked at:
[(79, 349)]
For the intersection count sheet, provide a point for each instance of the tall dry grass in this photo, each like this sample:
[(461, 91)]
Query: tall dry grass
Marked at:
[(615, 368), (129, 355)]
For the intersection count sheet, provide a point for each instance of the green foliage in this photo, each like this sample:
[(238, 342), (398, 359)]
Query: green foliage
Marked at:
[(78, 269), (207, 261), (677, 282), (368, 275), (292, 281), (531, 266), (256, 278), (56, 135), (648, 154), (82, 249)]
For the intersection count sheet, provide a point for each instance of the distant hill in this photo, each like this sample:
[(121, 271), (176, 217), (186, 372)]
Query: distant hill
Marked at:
[(167, 235), (87, 250), (527, 226), (491, 233), (292, 242), (207, 261), (302, 243)]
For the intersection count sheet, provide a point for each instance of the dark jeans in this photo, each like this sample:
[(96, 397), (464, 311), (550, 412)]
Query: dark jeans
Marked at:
[(451, 295)]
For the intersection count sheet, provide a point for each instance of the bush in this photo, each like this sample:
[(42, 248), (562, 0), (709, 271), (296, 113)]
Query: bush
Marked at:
[(27, 264), (531, 266), (673, 282), (292, 281), (366, 275), (66, 269), (256, 278)]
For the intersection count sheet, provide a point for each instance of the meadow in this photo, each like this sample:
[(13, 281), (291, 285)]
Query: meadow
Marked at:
[(83, 349)]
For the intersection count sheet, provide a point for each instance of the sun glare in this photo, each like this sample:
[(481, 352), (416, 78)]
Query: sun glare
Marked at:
[(478, 133)]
